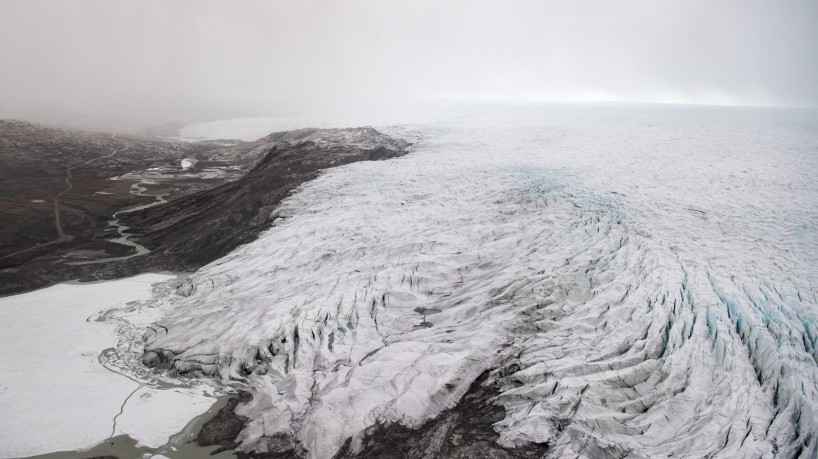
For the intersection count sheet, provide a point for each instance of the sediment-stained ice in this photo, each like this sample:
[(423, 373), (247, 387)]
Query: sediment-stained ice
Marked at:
[(642, 281)]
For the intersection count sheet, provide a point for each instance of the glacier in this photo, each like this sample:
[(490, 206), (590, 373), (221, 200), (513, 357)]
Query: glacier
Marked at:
[(639, 281)]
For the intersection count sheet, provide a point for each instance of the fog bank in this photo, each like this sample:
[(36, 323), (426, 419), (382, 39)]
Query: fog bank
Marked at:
[(150, 62)]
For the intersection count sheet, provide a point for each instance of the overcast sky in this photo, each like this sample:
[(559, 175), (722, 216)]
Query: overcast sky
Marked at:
[(161, 60)]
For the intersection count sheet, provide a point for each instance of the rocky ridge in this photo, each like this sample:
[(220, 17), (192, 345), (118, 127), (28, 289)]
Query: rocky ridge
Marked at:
[(186, 203)]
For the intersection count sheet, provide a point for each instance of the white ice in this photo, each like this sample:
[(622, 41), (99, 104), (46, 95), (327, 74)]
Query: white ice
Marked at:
[(56, 395), (187, 163), (644, 278)]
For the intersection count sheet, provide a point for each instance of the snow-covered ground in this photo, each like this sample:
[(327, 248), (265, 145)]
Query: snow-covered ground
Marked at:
[(56, 395), (644, 277)]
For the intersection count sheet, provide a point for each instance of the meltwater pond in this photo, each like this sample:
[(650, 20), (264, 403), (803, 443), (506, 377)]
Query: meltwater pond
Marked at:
[(640, 280)]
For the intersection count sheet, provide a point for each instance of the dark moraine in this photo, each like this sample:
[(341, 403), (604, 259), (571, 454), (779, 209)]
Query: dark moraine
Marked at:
[(464, 431), (224, 428)]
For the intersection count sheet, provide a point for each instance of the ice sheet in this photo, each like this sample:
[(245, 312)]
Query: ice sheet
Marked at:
[(644, 278)]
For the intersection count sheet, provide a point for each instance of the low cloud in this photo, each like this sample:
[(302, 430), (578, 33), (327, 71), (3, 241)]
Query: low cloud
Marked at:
[(150, 62)]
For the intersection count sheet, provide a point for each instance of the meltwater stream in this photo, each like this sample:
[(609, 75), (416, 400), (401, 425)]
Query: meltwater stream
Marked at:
[(121, 229), (642, 281)]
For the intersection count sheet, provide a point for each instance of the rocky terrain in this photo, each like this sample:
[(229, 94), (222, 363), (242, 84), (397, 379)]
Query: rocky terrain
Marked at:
[(79, 205), (202, 227)]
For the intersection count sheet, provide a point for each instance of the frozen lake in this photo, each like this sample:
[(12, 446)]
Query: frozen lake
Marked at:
[(59, 388)]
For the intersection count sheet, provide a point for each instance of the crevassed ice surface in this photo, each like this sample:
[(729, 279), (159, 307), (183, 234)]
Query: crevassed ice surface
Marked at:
[(642, 279)]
